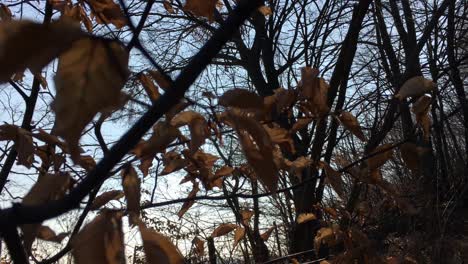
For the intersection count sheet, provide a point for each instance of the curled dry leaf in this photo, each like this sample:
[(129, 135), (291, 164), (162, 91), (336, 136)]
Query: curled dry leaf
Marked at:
[(385, 152), (265, 10), (50, 139), (281, 137), (101, 240), (197, 125), (331, 212), (324, 235), (187, 204), (89, 78), (241, 98), (301, 123), (106, 197), (351, 123), (238, 235), (203, 8), (48, 187), (304, 218), (422, 105), (298, 165), (158, 248), (199, 246), (224, 171), (150, 88), (246, 215), (257, 147), (333, 178), (160, 79), (87, 162), (163, 135), (23, 143), (223, 229), (25, 44), (46, 233), (267, 233), (5, 13), (131, 186), (107, 12), (314, 91), (168, 6), (415, 87)]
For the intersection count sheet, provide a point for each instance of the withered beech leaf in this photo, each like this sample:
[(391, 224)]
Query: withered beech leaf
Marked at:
[(25, 44), (163, 135), (5, 13), (158, 248), (301, 123), (107, 12), (203, 8), (87, 162), (160, 79), (333, 178), (238, 235), (241, 98), (385, 152), (265, 10), (23, 143), (223, 229), (306, 217), (197, 125), (265, 236), (150, 88), (101, 240), (46, 233), (106, 197), (246, 215), (131, 186), (199, 246), (351, 123), (189, 203), (281, 137), (168, 6), (415, 87), (224, 171), (257, 147), (48, 187), (89, 78), (314, 91), (324, 235)]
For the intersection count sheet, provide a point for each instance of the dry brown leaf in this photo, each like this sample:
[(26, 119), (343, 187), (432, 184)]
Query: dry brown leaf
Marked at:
[(163, 135), (285, 99), (301, 123), (199, 246), (50, 139), (223, 229), (314, 91), (298, 165), (295, 261), (87, 162), (257, 147), (422, 105), (23, 143), (306, 217), (131, 186), (224, 171), (48, 187), (265, 10), (168, 6), (265, 236), (150, 88), (5, 13), (333, 178), (189, 203), (173, 162), (203, 8), (246, 215), (351, 123), (106, 197), (101, 240), (107, 12), (158, 248), (30, 45), (281, 137), (79, 98), (415, 87), (145, 165), (385, 152), (241, 98), (238, 235), (331, 211), (160, 79), (324, 235), (197, 125), (46, 233)]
